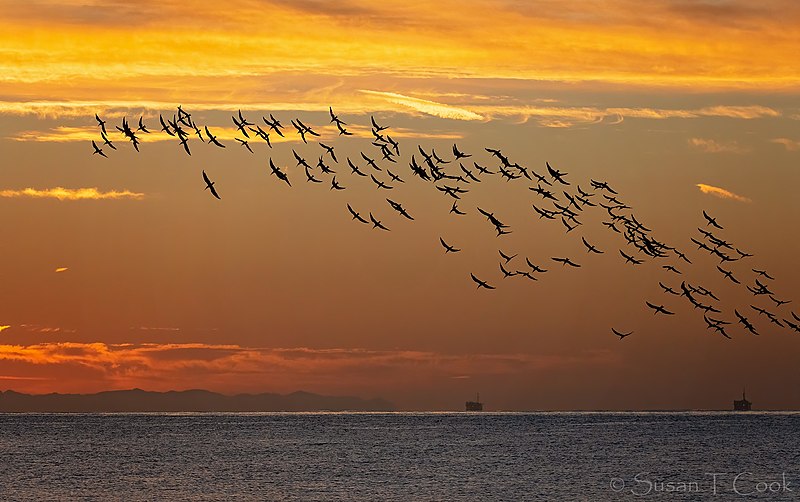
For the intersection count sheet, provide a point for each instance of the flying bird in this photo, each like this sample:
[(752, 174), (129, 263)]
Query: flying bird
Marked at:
[(447, 247), (711, 221), (330, 151), (659, 309), (185, 143), (354, 168), (107, 141), (565, 261), (779, 303), (101, 123), (506, 273), (455, 209), (213, 139), (376, 126), (356, 216), (480, 283), (310, 177), (399, 208), (506, 257), (380, 184), (335, 185), (458, 154), (370, 161), (630, 259), (763, 273), (556, 174), (535, 268), (620, 334), (334, 117), (590, 248), (668, 289), (98, 150), (210, 186), (728, 275), (744, 322), (376, 223), (277, 172), (482, 169), (244, 144)]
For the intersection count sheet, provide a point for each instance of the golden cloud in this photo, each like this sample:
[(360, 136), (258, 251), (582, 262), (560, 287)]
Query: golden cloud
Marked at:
[(425, 106), (61, 193), (4, 327), (721, 192), (790, 144), (713, 146)]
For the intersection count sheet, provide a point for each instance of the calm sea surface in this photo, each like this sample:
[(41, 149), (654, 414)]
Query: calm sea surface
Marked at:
[(400, 456)]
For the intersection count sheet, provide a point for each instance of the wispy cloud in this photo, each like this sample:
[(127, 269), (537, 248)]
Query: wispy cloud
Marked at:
[(4, 327), (61, 269), (465, 107), (790, 144), (61, 193), (721, 193), (154, 328), (714, 146), (425, 106), (37, 328), (567, 116)]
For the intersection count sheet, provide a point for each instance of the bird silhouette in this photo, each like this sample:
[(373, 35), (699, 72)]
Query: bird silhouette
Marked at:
[(448, 248), (565, 261), (356, 216), (480, 283), (711, 221), (590, 248), (620, 334), (213, 139), (98, 150), (101, 123), (277, 172), (659, 309), (210, 186), (376, 223)]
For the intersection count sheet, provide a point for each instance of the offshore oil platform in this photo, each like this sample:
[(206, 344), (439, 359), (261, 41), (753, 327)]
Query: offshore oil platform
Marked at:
[(475, 405), (743, 404)]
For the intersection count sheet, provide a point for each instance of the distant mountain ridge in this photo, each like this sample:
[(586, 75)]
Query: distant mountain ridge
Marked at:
[(138, 400)]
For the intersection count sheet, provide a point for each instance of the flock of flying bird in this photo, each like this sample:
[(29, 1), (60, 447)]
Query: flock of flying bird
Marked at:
[(451, 177)]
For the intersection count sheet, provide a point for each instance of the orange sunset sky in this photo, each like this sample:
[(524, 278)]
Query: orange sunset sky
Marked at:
[(123, 272)]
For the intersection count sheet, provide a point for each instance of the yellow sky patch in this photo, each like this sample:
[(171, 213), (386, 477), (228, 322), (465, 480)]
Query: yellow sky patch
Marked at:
[(61, 193)]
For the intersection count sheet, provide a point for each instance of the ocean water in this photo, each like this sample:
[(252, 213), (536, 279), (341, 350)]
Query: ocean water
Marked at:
[(400, 456)]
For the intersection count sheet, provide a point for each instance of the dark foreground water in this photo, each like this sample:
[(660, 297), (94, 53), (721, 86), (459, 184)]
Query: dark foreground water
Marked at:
[(400, 456)]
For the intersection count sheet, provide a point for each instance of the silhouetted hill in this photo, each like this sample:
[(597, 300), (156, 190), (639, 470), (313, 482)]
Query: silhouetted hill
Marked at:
[(136, 400)]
